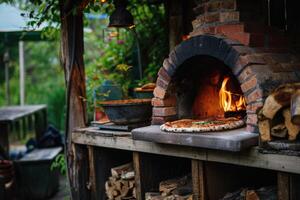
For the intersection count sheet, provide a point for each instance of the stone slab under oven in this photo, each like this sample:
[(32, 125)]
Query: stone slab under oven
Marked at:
[(230, 140)]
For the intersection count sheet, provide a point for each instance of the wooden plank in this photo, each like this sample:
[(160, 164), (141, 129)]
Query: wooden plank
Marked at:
[(137, 170), (92, 173), (5, 129), (152, 169), (283, 185), (104, 160), (288, 186), (126, 143), (12, 113), (42, 154), (198, 178), (250, 158), (80, 166), (40, 119)]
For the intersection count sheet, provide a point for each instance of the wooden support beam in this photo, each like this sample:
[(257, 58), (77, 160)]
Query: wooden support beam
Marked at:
[(4, 143), (80, 166), (198, 179), (288, 186), (72, 61), (92, 173)]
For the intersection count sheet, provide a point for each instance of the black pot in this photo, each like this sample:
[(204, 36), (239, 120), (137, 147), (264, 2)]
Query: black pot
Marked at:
[(128, 111)]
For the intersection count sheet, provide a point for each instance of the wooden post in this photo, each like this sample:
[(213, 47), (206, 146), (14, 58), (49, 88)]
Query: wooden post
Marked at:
[(72, 61), (40, 123), (175, 22), (198, 178), (137, 170), (5, 129), (288, 186), (22, 72), (81, 172), (92, 173)]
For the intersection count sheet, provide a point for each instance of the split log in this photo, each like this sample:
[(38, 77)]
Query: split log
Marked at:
[(279, 131), (265, 130), (295, 108), (121, 185), (153, 196), (251, 195), (280, 98), (293, 130), (118, 171), (127, 175)]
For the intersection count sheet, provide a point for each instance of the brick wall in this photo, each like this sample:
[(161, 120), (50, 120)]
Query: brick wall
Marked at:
[(257, 55)]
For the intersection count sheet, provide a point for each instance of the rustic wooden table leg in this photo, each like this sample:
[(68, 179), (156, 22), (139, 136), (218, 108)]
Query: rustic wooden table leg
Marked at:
[(198, 178), (137, 169), (80, 172), (40, 120), (92, 173), (4, 135), (288, 186)]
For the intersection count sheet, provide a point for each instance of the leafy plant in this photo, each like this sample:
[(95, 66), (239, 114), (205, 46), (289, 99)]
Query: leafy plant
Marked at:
[(60, 164)]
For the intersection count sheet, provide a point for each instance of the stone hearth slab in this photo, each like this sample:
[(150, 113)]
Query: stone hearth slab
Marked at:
[(231, 140)]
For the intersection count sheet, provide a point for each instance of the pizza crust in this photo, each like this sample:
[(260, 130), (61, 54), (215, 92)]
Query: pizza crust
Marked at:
[(192, 126)]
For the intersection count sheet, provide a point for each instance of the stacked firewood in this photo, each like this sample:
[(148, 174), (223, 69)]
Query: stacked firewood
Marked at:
[(280, 115), (121, 184), (173, 189)]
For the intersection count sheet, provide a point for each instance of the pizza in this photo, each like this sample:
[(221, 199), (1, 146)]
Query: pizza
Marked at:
[(194, 125)]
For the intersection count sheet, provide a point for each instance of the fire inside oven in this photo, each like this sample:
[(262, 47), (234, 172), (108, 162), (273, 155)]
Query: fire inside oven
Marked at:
[(206, 89)]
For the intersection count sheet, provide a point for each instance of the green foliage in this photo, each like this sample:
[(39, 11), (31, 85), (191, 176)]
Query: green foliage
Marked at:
[(60, 164)]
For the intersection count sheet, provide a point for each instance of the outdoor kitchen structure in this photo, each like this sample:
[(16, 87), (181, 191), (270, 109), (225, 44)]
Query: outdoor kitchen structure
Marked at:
[(237, 53)]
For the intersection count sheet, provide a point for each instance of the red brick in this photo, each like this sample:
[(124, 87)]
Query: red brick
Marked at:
[(250, 84), (162, 120), (162, 83), (252, 129), (243, 38), (253, 107), (254, 96), (252, 119), (159, 92), (230, 28), (212, 17), (251, 70), (164, 111), (232, 16), (163, 74), (170, 101)]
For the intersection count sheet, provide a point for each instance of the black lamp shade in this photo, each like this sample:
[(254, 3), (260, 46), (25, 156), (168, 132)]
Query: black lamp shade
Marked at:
[(121, 17)]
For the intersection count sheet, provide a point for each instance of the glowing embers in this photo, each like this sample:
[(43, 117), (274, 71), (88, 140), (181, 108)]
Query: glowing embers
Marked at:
[(229, 101)]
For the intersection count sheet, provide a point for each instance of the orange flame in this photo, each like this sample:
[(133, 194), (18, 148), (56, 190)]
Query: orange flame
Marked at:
[(226, 100)]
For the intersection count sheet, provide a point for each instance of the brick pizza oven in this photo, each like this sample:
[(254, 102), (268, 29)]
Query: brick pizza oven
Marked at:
[(230, 38)]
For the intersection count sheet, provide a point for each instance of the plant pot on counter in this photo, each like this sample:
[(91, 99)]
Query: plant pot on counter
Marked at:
[(128, 111)]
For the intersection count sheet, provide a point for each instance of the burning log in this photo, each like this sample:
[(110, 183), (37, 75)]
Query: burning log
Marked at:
[(295, 108), (121, 184)]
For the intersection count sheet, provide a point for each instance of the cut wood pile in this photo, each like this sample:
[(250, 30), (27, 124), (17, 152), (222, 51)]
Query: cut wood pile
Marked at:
[(121, 184), (264, 193), (173, 189), (280, 116)]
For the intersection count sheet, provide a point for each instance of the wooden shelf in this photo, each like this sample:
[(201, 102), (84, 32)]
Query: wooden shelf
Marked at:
[(97, 151), (249, 158)]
